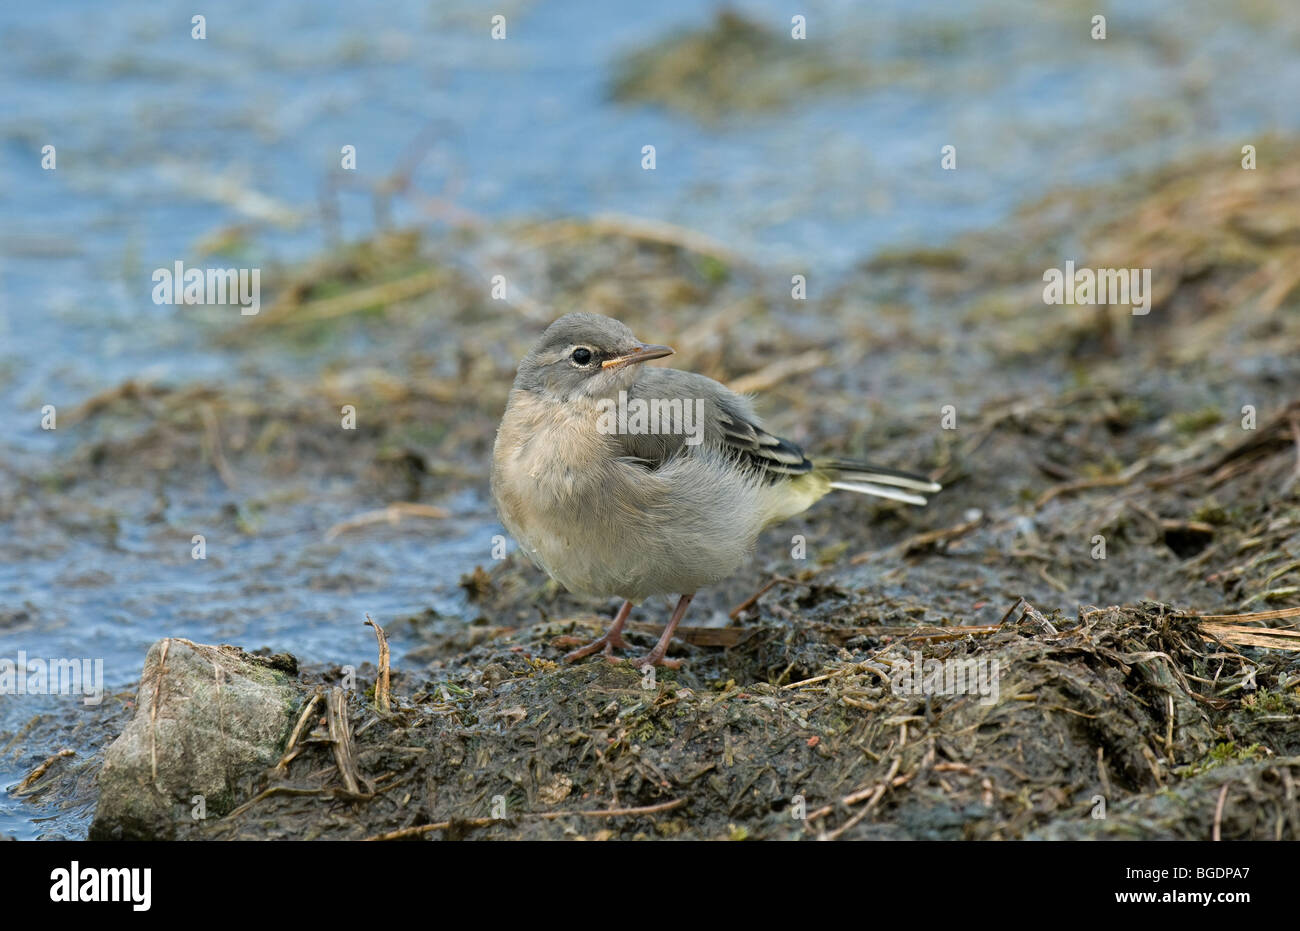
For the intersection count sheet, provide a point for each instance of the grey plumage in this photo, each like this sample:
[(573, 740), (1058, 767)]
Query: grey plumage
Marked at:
[(640, 514)]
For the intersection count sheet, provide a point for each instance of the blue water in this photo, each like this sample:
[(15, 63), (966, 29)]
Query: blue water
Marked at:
[(162, 140)]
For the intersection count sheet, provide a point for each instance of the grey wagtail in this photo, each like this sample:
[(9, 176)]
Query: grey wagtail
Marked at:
[(623, 479)]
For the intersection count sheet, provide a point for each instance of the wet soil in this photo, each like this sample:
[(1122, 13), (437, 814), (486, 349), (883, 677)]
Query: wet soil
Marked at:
[(1109, 479)]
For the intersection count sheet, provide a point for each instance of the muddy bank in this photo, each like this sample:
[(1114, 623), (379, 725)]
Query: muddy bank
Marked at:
[(1092, 458), (1085, 734)]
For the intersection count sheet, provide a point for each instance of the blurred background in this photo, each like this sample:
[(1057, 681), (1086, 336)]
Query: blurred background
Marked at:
[(522, 157)]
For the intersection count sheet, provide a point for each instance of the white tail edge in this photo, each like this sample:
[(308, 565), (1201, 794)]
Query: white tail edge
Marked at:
[(880, 491)]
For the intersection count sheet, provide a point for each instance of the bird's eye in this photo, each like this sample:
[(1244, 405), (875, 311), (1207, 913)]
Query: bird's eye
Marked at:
[(581, 356)]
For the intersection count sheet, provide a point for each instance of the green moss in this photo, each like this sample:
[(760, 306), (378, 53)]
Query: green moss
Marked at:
[(1267, 701), (1196, 421), (831, 554), (712, 269), (248, 518), (1224, 754), (1211, 512)]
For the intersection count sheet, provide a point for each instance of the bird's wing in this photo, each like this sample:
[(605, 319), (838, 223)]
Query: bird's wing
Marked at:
[(722, 420), (759, 450)]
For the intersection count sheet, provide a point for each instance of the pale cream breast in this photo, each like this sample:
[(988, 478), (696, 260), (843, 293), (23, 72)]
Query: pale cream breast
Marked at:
[(603, 525)]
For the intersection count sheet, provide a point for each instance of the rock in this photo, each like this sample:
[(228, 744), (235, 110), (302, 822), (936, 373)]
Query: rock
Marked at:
[(205, 718)]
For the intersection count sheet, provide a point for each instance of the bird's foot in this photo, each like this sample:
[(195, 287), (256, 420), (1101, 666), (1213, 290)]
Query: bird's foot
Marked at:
[(657, 657), (612, 639), (653, 658), (607, 644)]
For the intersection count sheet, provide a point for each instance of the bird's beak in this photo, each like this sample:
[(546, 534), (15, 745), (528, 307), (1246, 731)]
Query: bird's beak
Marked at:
[(643, 353)]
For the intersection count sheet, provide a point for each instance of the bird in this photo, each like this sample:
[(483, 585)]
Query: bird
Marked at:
[(611, 502)]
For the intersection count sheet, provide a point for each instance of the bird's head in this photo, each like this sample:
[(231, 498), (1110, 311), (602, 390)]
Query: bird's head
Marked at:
[(584, 355)]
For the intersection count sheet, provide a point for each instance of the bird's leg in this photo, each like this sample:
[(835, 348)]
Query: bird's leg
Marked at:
[(656, 656), (612, 638)]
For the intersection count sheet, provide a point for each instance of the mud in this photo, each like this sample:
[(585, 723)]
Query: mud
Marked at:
[(1169, 439)]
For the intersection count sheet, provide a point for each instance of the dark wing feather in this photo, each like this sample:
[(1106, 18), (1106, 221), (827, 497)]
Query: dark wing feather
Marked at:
[(731, 426), (755, 448), (728, 425)]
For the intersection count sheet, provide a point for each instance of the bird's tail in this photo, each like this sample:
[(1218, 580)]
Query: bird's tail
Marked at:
[(867, 479)]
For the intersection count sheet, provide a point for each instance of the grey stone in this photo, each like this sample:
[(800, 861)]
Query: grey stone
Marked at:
[(205, 718)]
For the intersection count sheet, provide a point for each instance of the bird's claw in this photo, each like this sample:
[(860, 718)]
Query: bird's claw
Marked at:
[(653, 658), (606, 644)]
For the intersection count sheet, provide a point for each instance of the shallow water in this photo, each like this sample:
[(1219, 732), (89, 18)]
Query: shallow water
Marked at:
[(162, 140)]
